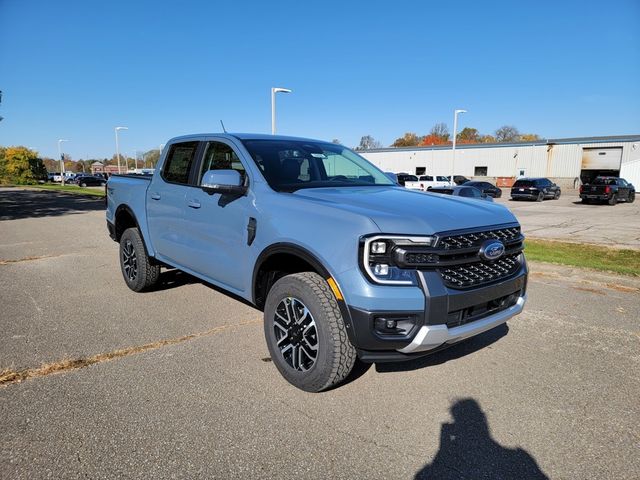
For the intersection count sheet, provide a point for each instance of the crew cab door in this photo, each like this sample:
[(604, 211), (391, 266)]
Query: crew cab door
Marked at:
[(166, 202), (215, 224)]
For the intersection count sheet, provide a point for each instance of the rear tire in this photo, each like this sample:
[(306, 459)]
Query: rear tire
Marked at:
[(83, 184), (586, 201), (613, 200), (305, 333), (138, 272)]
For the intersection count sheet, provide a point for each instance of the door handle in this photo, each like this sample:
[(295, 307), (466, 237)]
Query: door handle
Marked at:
[(194, 204), (155, 196)]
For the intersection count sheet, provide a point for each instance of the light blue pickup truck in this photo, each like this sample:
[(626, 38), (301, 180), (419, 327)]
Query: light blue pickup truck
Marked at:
[(343, 262)]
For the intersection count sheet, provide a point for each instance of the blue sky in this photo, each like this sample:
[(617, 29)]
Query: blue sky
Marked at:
[(76, 69)]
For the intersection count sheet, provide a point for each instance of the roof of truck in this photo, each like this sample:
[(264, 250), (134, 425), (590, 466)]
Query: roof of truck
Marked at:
[(244, 136)]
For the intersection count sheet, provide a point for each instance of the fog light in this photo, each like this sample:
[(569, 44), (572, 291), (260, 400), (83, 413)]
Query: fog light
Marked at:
[(381, 269), (390, 324), (378, 247)]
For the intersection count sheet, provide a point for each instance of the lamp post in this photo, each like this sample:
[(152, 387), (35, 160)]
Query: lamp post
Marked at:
[(273, 106), (455, 133), (117, 146), (61, 161)]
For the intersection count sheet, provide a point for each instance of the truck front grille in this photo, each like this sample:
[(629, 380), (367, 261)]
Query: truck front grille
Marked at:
[(479, 273), (475, 239)]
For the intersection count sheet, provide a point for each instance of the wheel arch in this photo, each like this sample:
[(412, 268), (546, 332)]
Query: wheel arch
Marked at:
[(271, 259)]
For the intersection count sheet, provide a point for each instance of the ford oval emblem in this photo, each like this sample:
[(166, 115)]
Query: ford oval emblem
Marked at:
[(491, 250)]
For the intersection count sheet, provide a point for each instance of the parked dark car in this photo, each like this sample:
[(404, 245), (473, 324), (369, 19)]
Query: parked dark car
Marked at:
[(462, 191), (485, 187), (90, 181), (404, 177), (608, 189), (535, 189)]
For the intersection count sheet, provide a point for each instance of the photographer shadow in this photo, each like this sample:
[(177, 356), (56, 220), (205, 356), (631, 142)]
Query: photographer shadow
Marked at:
[(468, 451)]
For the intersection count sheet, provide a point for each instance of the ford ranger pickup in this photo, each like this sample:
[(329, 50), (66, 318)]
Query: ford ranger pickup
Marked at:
[(343, 262)]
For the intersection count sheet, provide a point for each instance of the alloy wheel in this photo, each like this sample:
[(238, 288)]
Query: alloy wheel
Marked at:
[(296, 334), (129, 261)]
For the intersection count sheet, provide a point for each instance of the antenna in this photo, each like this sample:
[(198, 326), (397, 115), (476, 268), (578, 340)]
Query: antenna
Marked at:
[(223, 129)]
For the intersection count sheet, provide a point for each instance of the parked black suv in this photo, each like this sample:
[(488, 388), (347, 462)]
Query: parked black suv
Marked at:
[(90, 180), (485, 187), (535, 189)]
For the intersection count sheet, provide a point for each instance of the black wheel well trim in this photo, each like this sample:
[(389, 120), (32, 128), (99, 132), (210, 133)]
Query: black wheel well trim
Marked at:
[(126, 208), (291, 249), (311, 259)]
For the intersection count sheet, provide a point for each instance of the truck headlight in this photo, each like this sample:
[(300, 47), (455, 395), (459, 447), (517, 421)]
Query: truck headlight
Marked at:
[(377, 258)]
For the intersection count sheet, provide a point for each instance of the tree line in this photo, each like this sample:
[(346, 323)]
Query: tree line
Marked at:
[(439, 135), (21, 165)]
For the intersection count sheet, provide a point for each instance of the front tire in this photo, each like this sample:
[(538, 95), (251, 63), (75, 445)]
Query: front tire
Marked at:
[(632, 197), (540, 197), (138, 272), (305, 333)]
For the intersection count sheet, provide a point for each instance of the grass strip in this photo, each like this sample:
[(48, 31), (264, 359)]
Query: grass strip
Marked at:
[(71, 189), (607, 259)]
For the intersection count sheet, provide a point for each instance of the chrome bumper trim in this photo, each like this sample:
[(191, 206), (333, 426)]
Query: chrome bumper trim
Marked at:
[(432, 336)]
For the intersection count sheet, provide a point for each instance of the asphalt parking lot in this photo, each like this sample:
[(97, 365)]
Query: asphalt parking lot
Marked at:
[(554, 393), (569, 220)]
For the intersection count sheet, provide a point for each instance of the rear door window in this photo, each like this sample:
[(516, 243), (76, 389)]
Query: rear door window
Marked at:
[(179, 162)]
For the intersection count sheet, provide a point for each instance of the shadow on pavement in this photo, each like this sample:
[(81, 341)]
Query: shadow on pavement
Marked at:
[(468, 451), (453, 352), (16, 204)]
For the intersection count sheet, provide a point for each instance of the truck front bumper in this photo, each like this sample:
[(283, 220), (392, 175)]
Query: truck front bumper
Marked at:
[(433, 336), (449, 316)]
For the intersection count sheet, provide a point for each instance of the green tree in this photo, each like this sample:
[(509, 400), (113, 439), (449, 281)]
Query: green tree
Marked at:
[(409, 139), (20, 165)]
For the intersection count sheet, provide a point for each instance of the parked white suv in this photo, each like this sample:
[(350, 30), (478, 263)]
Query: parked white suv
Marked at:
[(427, 182)]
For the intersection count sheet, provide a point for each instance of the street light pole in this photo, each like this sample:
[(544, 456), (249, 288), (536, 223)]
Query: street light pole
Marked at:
[(455, 133), (61, 161), (273, 106), (118, 146)]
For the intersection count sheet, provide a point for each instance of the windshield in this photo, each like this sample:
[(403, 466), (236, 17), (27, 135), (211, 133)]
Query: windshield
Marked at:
[(290, 165)]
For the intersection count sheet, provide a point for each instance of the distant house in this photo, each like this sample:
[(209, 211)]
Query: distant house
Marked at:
[(99, 167)]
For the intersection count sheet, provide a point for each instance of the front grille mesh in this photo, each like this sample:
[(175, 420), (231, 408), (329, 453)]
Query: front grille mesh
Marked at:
[(478, 273), (475, 239)]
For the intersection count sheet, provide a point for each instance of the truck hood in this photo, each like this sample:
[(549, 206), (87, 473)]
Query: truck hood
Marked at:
[(402, 211)]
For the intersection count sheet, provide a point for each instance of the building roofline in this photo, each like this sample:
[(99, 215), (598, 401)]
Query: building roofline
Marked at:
[(550, 141)]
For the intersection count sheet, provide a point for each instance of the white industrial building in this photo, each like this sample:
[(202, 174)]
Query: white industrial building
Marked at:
[(566, 161)]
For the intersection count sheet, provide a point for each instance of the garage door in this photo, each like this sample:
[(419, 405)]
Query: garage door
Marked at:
[(601, 158)]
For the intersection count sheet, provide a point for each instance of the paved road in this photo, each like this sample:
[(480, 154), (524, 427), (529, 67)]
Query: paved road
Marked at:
[(555, 393), (568, 219)]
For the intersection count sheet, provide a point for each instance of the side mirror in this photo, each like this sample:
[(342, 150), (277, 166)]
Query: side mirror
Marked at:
[(226, 182)]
